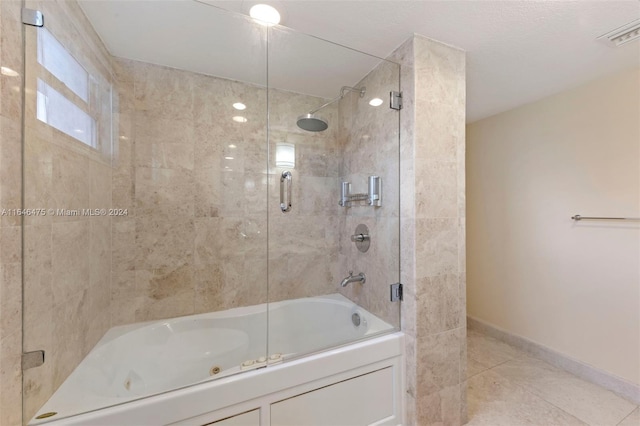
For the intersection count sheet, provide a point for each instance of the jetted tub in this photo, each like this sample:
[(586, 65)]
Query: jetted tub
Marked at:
[(136, 361)]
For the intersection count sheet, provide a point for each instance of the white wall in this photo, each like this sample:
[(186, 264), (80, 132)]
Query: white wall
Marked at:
[(532, 271)]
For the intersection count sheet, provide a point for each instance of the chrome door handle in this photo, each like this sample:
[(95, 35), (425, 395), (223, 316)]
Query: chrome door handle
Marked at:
[(285, 180)]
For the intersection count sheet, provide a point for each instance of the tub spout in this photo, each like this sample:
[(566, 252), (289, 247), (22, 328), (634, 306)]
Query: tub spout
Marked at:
[(353, 278)]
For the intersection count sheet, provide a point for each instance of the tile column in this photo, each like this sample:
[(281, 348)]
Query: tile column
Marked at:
[(433, 230)]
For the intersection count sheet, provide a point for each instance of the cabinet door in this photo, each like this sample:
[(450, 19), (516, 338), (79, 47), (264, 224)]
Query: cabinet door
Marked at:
[(251, 418), (363, 400)]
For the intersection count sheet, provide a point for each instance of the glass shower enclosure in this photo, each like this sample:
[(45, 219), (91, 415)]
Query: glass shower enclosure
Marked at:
[(209, 196)]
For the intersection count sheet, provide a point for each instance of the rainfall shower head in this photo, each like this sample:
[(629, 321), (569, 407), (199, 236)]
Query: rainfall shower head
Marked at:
[(314, 123)]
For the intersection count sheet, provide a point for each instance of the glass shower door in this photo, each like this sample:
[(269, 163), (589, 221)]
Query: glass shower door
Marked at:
[(145, 167), (333, 253)]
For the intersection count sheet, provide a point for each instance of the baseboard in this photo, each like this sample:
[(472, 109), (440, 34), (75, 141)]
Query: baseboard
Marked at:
[(587, 372)]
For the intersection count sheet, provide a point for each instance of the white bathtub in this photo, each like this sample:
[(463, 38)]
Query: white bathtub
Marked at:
[(132, 363)]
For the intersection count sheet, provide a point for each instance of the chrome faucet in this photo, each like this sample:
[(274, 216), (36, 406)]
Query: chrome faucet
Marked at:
[(353, 278)]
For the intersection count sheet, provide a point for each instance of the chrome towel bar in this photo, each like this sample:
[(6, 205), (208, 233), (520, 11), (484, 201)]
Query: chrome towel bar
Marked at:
[(578, 217)]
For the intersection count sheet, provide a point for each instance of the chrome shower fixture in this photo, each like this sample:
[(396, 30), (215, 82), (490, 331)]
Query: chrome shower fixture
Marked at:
[(314, 123), (373, 197)]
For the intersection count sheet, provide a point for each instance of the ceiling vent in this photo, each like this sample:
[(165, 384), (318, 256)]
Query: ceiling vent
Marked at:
[(623, 34)]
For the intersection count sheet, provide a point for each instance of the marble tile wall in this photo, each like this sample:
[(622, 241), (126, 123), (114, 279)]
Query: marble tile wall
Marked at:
[(198, 185), (432, 230), (10, 226), (369, 145)]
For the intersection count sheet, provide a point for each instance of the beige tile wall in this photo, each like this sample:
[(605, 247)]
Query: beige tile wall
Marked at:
[(195, 239), (433, 233)]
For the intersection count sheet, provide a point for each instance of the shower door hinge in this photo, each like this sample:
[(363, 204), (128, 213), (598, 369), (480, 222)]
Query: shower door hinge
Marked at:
[(396, 292), (395, 101), (32, 359), (32, 17)]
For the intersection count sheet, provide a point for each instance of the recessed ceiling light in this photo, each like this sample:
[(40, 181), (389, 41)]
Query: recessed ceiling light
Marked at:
[(8, 72), (239, 106), (228, 158), (232, 146), (376, 102), (239, 119), (265, 14)]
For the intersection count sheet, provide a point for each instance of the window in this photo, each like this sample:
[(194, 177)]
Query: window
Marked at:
[(55, 58), (59, 112), (70, 98)]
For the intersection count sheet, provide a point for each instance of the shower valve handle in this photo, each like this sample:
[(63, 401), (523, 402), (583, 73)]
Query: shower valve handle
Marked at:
[(358, 238)]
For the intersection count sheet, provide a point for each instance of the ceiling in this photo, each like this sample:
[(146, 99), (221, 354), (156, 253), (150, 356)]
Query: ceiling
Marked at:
[(517, 51)]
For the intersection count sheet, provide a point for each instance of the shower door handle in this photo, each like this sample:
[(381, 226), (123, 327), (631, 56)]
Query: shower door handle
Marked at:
[(285, 180)]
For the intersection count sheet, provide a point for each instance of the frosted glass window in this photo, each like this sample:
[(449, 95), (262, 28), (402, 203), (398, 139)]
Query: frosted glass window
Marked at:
[(59, 112), (58, 61)]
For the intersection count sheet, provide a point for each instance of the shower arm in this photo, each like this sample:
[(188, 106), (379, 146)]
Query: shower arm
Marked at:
[(340, 96), (327, 104)]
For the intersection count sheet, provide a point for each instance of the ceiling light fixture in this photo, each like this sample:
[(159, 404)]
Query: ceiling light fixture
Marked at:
[(622, 35), (239, 106), (376, 102), (239, 119), (265, 14)]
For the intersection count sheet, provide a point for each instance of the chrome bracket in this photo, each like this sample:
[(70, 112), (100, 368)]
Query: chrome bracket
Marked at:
[(395, 100), (32, 17), (396, 292), (32, 359)]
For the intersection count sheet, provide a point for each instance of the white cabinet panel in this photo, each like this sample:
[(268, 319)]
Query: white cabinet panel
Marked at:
[(359, 401), (252, 418)]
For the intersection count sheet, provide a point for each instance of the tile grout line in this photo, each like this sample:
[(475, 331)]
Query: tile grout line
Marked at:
[(488, 368), (496, 365), (628, 415)]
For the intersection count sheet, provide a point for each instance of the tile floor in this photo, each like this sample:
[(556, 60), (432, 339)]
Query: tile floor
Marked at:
[(507, 387)]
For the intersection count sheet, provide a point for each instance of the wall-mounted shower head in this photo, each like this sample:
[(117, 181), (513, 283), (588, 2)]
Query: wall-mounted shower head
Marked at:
[(314, 123)]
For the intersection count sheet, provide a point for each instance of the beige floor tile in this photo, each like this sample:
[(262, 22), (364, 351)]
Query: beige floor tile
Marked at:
[(588, 402), (632, 419), (496, 401), (488, 351)]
